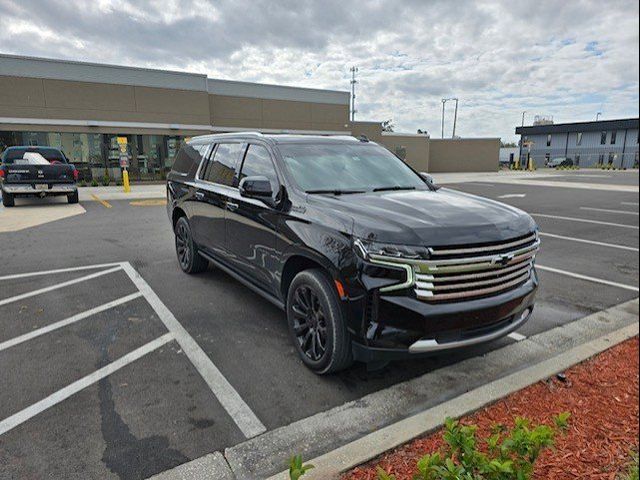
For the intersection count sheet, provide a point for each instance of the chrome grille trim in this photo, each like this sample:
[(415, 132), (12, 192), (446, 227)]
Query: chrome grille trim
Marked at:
[(466, 277), (429, 295), (489, 248)]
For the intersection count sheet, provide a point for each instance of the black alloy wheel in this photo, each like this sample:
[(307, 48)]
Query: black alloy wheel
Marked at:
[(316, 322), (188, 257), (310, 326)]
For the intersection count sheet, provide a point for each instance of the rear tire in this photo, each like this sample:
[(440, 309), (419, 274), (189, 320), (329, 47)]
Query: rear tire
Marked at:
[(189, 258), (8, 200), (73, 197), (316, 323)]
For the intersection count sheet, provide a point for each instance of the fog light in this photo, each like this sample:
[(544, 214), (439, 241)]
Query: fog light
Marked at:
[(525, 314)]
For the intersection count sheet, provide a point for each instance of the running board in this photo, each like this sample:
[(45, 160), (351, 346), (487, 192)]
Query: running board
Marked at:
[(267, 296)]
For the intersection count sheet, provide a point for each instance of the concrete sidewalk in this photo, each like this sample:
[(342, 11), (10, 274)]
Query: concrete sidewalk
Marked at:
[(88, 194)]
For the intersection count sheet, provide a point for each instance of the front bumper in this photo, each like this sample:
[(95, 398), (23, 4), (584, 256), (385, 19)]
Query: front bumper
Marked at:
[(30, 189), (406, 327)]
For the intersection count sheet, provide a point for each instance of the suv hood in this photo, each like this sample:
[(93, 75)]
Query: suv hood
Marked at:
[(428, 218)]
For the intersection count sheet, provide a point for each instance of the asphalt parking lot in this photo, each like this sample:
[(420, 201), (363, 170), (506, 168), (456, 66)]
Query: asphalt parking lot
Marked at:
[(115, 364)]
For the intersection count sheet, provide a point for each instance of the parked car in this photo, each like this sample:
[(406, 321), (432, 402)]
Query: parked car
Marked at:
[(367, 257), (36, 171), (560, 162)]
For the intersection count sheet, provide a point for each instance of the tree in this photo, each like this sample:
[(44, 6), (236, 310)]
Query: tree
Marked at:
[(422, 132), (388, 126), (508, 144)]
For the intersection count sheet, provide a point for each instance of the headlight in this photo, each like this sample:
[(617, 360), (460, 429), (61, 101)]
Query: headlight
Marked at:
[(369, 250), (392, 256)]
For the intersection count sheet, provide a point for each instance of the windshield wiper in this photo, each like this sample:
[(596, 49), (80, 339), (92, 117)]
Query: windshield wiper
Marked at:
[(396, 187), (335, 191)]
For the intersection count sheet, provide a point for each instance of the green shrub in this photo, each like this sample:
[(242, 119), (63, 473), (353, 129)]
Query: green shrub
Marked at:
[(632, 473), (94, 182), (296, 468), (82, 184), (510, 454), (106, 180)]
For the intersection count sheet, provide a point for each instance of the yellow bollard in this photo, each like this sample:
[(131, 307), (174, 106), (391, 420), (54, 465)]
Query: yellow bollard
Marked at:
[(530, 166), (125, 181)]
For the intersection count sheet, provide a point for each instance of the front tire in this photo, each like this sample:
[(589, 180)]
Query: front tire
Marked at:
[(189, 259), (73, 197), (8, 200), (316, 323)]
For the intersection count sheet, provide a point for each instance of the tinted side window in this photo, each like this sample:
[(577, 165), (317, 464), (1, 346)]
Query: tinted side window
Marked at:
[(258, 162), (188, 158), (222, 166)]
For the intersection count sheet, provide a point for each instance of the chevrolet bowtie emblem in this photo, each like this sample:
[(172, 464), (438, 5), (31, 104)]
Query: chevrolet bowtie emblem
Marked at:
[(502, 259)]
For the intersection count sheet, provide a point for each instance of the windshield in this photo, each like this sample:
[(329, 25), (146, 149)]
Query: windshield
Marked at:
[(344, 168)]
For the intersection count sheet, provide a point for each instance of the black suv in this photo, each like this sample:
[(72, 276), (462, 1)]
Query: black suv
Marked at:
[(369, 259)]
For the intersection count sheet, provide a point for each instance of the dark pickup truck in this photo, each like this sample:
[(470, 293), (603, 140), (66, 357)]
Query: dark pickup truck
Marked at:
[(36, 171)]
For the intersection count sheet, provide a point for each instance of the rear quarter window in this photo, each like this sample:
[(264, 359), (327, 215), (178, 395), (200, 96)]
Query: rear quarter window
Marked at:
[(188, 159)]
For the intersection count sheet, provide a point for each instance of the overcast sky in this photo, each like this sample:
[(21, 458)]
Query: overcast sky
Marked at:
[(567, 58)]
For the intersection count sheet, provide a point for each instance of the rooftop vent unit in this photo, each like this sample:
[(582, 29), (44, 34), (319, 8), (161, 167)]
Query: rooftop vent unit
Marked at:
[(543, 120)]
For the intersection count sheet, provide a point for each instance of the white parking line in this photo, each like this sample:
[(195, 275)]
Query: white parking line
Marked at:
[(60, 270), (57, 286), (591, 242), (584, 220), (228, 397), (518, 337), (68, 321), (606, 210), (633, 204), (587, 278), (57, 397)]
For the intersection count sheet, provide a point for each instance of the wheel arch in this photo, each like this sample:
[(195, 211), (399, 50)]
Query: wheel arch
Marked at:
[(297, 263)]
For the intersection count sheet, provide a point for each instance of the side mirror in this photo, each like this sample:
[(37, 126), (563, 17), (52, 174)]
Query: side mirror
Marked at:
[(428, 178), (256, 187)]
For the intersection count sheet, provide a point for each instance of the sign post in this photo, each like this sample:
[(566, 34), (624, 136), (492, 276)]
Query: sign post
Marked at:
[(124, 163)]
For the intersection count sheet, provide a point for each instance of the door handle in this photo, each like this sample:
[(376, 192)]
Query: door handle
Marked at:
[(232, 207), (199, 195)]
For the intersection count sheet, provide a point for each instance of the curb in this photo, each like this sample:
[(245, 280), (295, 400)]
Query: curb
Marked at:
[(332, 464)]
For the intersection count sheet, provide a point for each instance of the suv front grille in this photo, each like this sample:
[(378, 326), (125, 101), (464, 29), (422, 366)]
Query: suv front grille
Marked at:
[(470, 272), (464, 273)]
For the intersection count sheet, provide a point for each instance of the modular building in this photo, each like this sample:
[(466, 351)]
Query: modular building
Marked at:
[(97, 113), (586, 144)]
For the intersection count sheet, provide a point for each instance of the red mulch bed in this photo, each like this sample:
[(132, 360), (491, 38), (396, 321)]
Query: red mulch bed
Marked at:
[(602, 396)]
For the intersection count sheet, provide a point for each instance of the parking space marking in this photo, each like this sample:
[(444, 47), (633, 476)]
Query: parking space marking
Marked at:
[(518, 337), (584, 220), (591, 242), (606, 210), (68, 321), (232, 402), (104, 203), (633, 204), (57, 397), (59, 270), (59, 285), (587, 278), (513, 195)]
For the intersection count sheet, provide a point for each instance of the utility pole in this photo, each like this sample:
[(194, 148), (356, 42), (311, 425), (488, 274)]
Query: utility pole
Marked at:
[(353, 71), (444, 101), (523, 113), (455, 119)]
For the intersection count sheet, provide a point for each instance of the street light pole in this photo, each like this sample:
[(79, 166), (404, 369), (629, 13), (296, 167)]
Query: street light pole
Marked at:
[(444, 101), (523, 117)]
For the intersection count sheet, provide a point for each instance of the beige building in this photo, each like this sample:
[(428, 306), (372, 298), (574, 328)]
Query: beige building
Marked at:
[(85, 108)]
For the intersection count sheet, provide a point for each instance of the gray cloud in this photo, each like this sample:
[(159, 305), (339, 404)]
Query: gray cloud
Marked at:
[(568, 59)]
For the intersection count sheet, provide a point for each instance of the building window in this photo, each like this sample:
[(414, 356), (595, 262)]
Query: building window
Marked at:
[(579, 138), (548, 140), (614, 135), (600, 159), (577, 160), (612, 157), (603, 138), (547, 157)]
